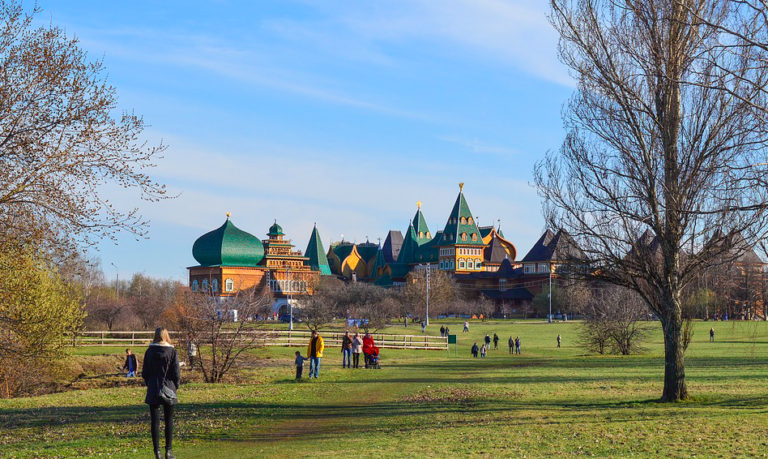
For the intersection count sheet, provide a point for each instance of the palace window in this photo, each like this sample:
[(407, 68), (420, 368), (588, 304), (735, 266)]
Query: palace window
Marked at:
[(421, 234), (529, 269), (463, 221), (463, 236), (215, 285), (453, 265), (470, 264), (474, 236), (502, 285), (543, 268), (478, 265), (469, 220), (461, 263), (205, 285), (194, 285), (429, 235), (229, 285)]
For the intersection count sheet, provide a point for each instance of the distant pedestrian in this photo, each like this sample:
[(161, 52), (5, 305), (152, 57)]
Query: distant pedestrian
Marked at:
[(357, 349), (423, 326), (483, 350), (511, 344), (517, 344), (447, 331), (162, 376), (712, 335), (405, 321), (559, 340), (191, 350), (466, 326), (315, 353), (475, 350), (487, 341), (299, 364), (495, 341), (131, 365), (346, 351), (442, 331)]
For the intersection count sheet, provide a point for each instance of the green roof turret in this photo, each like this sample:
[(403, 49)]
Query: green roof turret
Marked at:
[(420, 226), (408, 250), (275, 230), (318, 260), (228, 246), (461, 227)]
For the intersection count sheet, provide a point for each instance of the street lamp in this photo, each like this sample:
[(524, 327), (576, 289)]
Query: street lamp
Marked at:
[(550, 292), (426, 322), (117, 282), (290, 304)]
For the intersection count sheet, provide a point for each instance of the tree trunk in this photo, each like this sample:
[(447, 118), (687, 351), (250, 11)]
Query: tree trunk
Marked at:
[(674, 356)]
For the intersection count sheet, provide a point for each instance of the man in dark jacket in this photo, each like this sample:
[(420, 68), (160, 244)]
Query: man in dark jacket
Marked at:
[(487, 341), (475, 350), (495, 341), (346, 351), (130, 364)]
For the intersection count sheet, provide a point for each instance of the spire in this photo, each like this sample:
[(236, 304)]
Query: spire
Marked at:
[(420, 226), (380, 262), (410, 244), (461, 223), (318, 260)]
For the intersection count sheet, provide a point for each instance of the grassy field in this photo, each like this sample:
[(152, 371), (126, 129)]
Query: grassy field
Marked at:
[(544, 403)]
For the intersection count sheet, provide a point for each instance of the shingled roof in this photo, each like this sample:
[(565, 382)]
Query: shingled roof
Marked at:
[(550, 246), (454, 228), (420, 226), (392, 246), (410, 245), (495, 252), (318, 261)]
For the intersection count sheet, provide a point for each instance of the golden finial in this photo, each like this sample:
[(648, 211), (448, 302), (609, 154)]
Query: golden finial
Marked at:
[(229, 214), (418, 204), (461, 186)]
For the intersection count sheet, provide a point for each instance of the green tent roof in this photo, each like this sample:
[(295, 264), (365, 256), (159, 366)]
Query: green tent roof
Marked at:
[(454, 229), (408, 250), (421, 228), (380, 262), (316, 254), (429, 252), (228, 246)]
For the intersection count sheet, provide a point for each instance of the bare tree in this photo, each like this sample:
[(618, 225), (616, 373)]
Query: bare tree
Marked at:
[(615, 319), (209, 321), (60, 144), (444, 293), (666, 137)]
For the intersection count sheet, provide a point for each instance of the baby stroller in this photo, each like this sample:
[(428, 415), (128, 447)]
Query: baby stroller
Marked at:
[(373, 357)]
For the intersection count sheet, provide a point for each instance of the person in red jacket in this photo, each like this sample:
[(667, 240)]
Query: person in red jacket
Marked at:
[(368, 346)]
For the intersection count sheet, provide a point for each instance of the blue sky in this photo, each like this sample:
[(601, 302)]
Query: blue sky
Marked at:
[(340, 113)]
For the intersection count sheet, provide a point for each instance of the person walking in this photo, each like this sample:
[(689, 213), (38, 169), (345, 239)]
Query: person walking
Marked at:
[(495, 341), (423, 326), (162, 376), (475, 350), (442, 331), (346, 351), (559, 340), (517, 344), (315, 353), (712, 335), (511, 344), (191, 350), (466, 327), (131, 365), (483, 351), (447, 331), (487, 341), (357, 349)]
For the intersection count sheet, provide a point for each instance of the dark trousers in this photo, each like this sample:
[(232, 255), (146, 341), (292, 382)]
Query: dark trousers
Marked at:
[(299, 369), (495, 344), (355, 360), (154, 415)]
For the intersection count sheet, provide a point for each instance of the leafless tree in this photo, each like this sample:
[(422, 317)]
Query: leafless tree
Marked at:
[(209, 321), (60, 144), (444, 293), (666, 138), (616, 320)]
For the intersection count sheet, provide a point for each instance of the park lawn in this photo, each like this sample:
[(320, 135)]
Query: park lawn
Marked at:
[(546, 402)]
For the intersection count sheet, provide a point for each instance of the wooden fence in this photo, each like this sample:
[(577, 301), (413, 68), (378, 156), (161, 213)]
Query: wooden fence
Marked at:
[(266, 338)]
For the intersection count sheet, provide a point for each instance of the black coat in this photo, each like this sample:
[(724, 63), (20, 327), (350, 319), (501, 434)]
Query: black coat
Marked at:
[(156, 360), (346, 343), (128, 359)]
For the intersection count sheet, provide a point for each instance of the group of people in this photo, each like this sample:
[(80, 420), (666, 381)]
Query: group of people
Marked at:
[(482, 350), (444, 331), (351, 348)]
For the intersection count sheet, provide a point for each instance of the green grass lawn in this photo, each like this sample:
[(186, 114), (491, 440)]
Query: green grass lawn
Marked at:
[(547, 402)]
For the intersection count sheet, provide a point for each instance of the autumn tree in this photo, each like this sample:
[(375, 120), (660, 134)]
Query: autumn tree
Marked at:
[(666, 137), (60, 144)]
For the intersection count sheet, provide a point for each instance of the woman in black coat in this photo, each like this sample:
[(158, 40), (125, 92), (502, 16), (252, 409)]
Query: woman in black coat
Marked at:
[(161, 367)]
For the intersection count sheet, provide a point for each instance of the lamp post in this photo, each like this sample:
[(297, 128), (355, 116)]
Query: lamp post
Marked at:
[(117, 282), (426, 322), (290, 297), (550, 292)]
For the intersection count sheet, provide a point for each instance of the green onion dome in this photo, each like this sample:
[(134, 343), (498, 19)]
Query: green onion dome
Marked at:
[(228, 246), (275, 230)]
